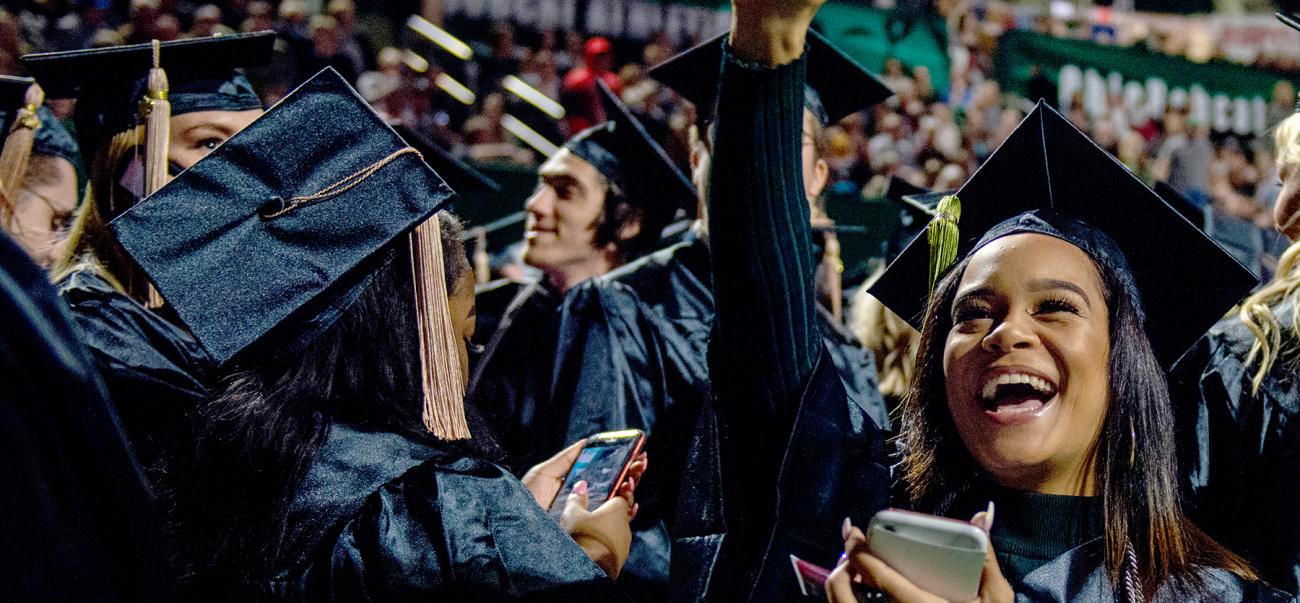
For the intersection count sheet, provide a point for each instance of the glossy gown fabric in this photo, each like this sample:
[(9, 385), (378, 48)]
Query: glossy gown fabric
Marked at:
[(510, 381), (79, 518), (632, 353), (156, 372), (1242, 450), (380, 517)]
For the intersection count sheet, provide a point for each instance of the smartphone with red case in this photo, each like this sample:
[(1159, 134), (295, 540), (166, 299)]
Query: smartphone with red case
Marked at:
[(603, 463)]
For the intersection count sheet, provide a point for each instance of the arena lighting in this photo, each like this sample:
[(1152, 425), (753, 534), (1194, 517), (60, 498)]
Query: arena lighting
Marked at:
[(528, 135), (456, 89), (414, 61), (533, 96), (439, 36)]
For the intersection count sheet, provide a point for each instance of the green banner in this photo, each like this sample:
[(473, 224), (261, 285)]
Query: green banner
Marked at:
[(1230, 97)]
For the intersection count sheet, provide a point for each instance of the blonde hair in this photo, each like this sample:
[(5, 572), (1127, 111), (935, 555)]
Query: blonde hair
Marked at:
[(91, 245), (890, 339), (1256, 311)]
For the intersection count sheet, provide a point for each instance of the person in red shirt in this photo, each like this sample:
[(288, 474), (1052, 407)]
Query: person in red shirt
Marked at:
[(578, 94)]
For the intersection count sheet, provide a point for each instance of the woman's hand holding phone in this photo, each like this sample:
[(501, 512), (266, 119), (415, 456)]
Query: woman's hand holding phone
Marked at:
[(604, 533), (859, 566)]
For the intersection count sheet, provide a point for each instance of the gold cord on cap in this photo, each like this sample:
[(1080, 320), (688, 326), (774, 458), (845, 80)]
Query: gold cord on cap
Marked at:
[(18, 150), (156, 110), (442, 381)]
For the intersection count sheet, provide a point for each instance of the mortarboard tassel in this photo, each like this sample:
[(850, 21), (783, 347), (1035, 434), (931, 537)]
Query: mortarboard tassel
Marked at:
[(157, 112), (18, 150), (444, 386), (942, 233)]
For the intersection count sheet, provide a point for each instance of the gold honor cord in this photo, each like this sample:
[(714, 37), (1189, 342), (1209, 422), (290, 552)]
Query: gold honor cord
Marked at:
[(942, 234)]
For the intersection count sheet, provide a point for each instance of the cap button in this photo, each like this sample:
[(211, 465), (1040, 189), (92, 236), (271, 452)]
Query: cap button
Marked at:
[(271, 207)]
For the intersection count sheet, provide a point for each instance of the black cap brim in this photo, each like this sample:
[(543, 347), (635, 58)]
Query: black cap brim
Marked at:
[(844, 85), (653, 181), (460, 176)]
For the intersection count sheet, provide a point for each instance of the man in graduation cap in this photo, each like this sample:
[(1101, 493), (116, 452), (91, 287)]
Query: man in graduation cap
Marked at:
[(38, 174), (633, 344), (143, 113), (602, 200)]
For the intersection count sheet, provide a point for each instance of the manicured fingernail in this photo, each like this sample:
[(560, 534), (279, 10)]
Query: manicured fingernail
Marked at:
[(631, 483), (845, 529), (636, 507), (988, 521), (580, 487)]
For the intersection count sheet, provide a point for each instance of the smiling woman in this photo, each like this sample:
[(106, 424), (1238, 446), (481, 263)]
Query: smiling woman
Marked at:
[(1040, 380)]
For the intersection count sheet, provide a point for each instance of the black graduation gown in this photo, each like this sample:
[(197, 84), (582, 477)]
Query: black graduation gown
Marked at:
[(380, 517), (510, 381), (1241, 450), (632, 353), (156, 372), (80, 521)]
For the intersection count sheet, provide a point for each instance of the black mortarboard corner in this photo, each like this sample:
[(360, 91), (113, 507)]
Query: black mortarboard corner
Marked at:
[(622, 151), (1184, 206), (837, 84), (460, 176), (109, 83), (263, 244), (1049, 178)]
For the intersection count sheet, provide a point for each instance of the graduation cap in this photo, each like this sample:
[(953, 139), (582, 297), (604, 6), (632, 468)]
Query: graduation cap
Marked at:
[(262, 245), (916, 207), (1185, 207), (460, 176), (1049, 178), (198, 74), (30, 128), (622, 151), (837, 84)]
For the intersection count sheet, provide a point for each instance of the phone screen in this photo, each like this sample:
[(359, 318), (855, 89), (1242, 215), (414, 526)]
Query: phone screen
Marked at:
[(600, 464)]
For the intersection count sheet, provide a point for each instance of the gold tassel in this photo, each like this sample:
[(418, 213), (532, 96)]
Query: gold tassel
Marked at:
[(18, 150), (942, 234), (482, 262), (443, 383), (157, 112)]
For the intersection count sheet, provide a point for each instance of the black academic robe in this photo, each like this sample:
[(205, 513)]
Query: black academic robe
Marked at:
[(510, 380), (632, 353), (156, 371), (1079, 576), (80, 521), (1241, 449), (381, 517)]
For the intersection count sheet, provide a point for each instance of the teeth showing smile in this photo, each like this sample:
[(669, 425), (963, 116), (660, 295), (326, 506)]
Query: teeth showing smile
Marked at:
[(1038, 384)]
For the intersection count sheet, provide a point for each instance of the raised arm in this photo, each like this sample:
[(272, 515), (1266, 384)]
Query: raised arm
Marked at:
[(765, 341)]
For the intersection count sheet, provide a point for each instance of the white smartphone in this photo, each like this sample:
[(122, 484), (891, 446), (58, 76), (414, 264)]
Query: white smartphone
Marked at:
[(943, 556)]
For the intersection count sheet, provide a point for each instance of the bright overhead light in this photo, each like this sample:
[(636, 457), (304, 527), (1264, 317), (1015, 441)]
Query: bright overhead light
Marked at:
[(533, 96), (528, 135), (414, 61), (456, 89), (439, 36)]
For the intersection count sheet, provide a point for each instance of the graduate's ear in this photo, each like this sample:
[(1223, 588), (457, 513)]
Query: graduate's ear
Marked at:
[(630, 229), (820, 176)]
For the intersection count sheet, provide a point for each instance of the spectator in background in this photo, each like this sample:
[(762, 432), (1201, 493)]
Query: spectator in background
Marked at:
[(325, 49), (166, 27), (352, 44), (505, 58), (488, 140), (581, 101), (258, 17), (1183, 160), (374, 85), (294, 25), (539, 71), (207, 22)]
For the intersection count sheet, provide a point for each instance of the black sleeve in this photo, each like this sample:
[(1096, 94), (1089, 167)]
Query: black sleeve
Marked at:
[(765, 341)]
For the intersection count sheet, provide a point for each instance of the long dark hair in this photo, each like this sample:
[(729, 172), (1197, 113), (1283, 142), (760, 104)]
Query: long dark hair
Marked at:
[(1140, 498), (256, 437)]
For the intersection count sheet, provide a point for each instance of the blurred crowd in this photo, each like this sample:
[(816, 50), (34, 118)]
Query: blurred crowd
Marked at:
[(931, 137)]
